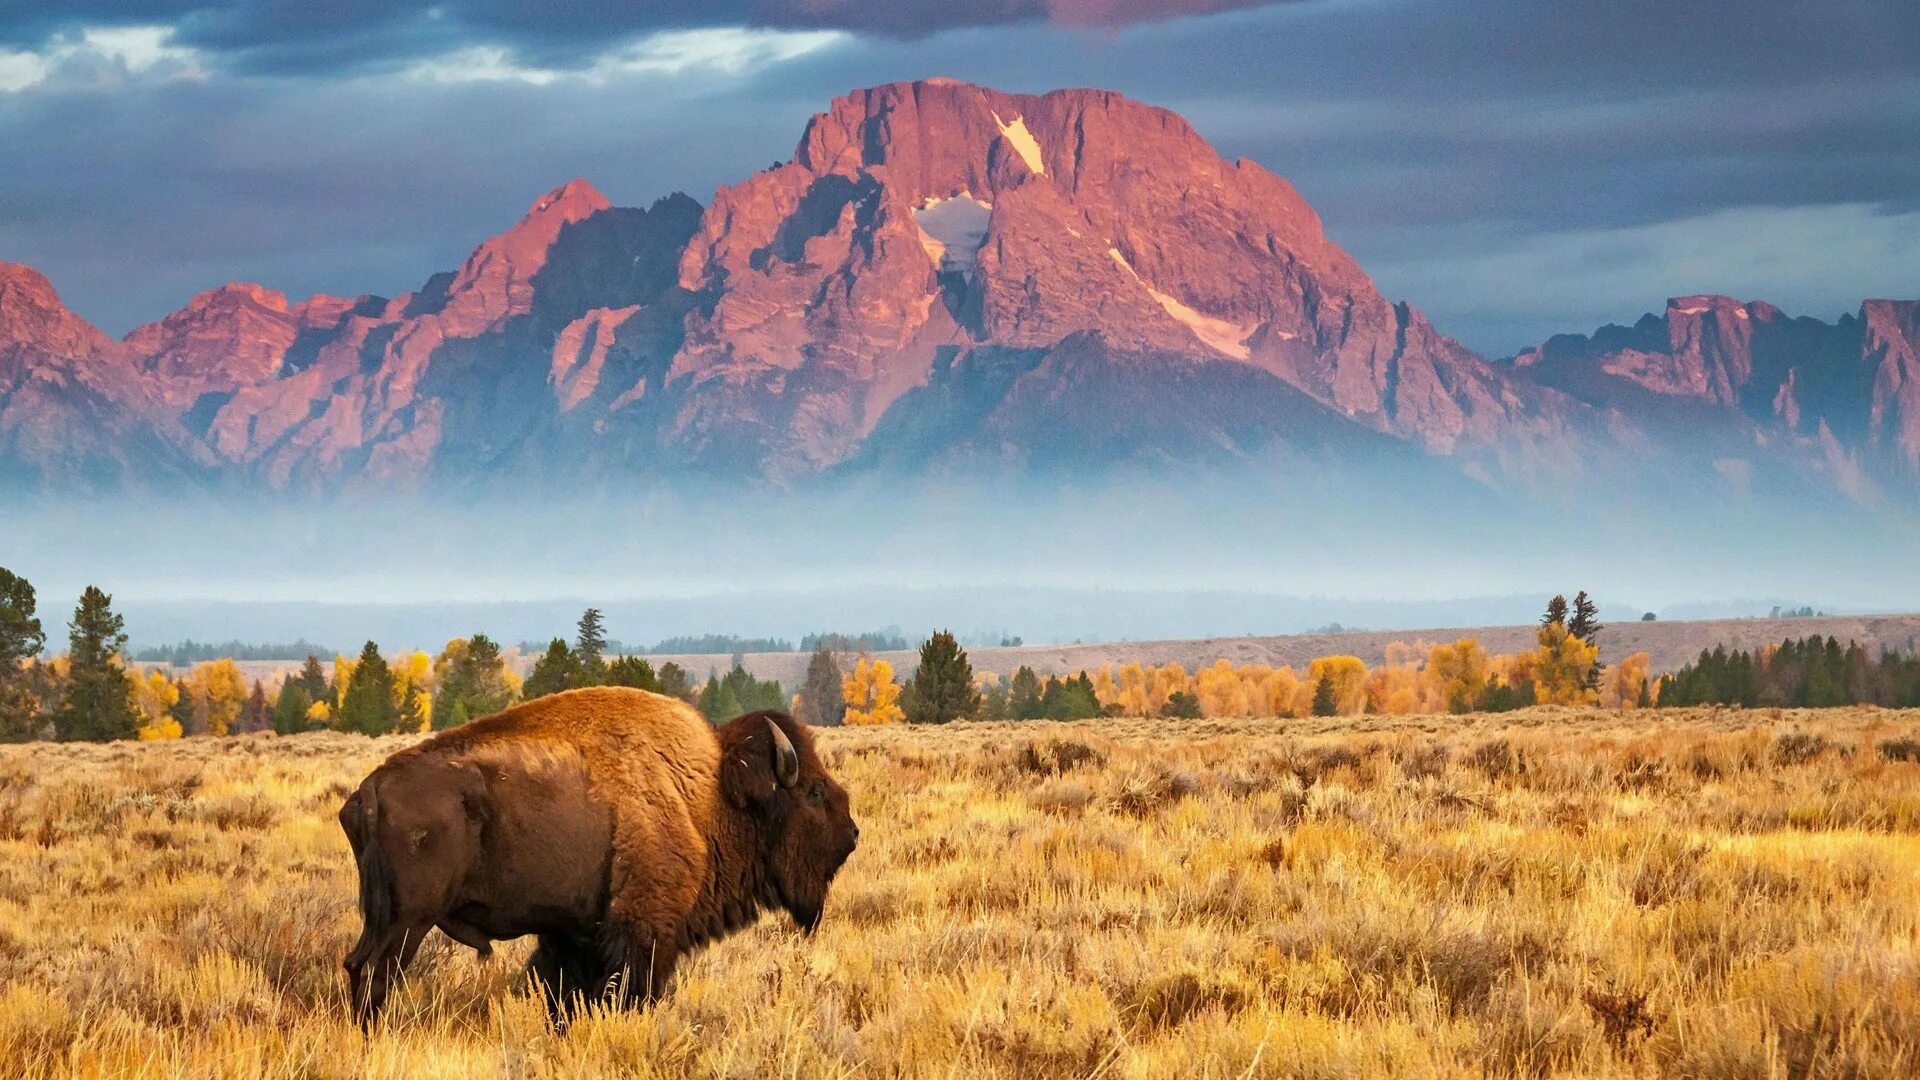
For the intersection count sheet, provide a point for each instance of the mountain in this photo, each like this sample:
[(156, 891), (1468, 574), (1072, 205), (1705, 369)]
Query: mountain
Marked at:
[(943, 280), (1847, 393), (75, 413)]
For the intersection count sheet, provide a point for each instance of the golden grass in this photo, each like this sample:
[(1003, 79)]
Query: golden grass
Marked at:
[(1553, 892)]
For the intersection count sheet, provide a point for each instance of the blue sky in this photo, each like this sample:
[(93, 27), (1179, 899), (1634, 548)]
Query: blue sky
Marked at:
[(1513, 168)]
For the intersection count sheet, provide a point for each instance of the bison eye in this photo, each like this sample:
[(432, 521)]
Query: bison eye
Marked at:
[(818, 792)]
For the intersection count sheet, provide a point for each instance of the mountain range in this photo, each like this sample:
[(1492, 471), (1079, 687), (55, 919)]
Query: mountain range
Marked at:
[(944, 280)]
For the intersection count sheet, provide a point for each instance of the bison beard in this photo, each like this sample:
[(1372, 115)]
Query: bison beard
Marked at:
[(615, 825)]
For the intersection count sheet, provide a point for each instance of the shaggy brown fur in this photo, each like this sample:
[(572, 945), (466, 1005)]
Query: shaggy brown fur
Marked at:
[(615, 824)]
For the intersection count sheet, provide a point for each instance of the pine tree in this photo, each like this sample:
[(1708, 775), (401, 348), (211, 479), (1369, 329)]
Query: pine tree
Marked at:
[(313, 679), (367, 704), (822, 704), (1556, 612), (290, 708), (99, 703), (1585, 623), (942, 690), (1024, 694), (182, 711), (553, 672), (21, 638), (632, 671), (1069, 699), (993, 702), (471, 677), (674, 683), (1324, 703), (1182, 705), (718, 701), (590, 649), (257, 716)]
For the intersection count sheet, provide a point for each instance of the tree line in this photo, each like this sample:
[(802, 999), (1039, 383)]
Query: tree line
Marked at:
[(94, 693), (1810, 672)]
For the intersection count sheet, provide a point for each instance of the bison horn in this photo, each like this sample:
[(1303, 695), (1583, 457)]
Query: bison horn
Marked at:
[(786, 763)]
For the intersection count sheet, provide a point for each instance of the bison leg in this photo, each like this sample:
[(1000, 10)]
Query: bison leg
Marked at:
[(373, 966), (567, 970), (640, 963)]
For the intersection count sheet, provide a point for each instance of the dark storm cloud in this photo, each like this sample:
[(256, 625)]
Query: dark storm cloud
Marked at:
[(1516, 168), (298, 36)]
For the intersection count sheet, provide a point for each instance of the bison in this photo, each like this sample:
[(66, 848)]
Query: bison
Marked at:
[(617, 825)]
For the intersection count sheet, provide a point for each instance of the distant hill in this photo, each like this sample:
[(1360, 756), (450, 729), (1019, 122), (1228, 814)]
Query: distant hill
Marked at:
[(1669, 644)]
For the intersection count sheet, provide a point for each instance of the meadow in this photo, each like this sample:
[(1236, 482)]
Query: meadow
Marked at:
[(1553, 891)]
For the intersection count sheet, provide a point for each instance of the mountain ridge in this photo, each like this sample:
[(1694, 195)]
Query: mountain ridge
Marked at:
[(943, 277)]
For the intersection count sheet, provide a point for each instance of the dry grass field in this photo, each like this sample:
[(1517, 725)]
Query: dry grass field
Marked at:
[(1552, 892)]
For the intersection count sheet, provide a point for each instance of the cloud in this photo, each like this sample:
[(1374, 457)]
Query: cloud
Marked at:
[(360, 146), (722, 50), (553, 35), (100, 57)]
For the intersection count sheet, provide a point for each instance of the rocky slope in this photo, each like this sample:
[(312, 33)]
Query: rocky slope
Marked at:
[(75, 412), (943, 278), (1847, 392)]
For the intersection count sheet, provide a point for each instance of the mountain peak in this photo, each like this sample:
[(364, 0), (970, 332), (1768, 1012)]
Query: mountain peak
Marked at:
[(21, 283), (572, 201)]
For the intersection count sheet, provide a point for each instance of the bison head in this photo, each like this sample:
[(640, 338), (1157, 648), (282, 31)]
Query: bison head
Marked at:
[(772, 772)]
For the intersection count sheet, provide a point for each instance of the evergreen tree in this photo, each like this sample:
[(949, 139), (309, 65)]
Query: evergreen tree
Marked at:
[(21, 639), (590, 649), (99, 703), (993, 702), (555, 671), (290, 708), (256, 715), (1181, 705), (472, 681), (1023, 696), (183, 711), (633, 671), (1585, 623), (942, 689), (750, 694), (718, 701), (822, 704), (367, 704), (674, 683), (313, 679), (1323, 698), (1556, 612)]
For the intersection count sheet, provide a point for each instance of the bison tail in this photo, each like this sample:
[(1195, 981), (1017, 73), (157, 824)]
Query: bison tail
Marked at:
[(376, 876)]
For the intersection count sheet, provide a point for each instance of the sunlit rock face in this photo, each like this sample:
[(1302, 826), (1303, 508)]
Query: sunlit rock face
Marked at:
[(943, 278)]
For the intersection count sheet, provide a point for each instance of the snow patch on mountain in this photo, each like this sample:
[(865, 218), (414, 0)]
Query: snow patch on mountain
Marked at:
[(1229, 338), (1023, 143), (952, 230)]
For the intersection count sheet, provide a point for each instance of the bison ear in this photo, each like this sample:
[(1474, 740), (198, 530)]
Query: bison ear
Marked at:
[(760, 760)]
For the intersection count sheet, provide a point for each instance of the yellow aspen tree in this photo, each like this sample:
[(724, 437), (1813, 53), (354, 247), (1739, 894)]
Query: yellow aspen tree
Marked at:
[(1280, 692), (1106, 690), (871, 694), (1348, 674), (1458, 674), (156, 694), (1167, 680), (1560, 667), (1133, 690), (1625, 680), (413, 682), (220, 690)]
